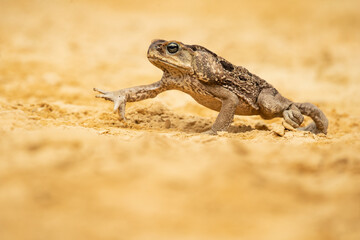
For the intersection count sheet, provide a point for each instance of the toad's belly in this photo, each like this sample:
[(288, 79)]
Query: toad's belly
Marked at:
[(209, 101), (199, 92)]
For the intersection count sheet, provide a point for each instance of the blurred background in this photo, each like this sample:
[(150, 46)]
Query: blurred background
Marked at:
[(69, 169)]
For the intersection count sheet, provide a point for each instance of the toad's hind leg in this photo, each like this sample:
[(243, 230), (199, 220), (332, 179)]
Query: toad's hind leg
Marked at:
[(272, 105), (229, 102), (320, 124)]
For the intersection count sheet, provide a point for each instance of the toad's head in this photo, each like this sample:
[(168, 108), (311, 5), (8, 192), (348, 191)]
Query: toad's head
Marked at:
[(171, 56)]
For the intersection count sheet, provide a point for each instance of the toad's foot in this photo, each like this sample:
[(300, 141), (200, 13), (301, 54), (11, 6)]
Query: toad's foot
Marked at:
[(118, 97), (293, 116)]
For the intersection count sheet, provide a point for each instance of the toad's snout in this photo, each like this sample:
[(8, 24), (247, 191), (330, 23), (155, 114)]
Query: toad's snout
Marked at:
[(155, 48), (156, 45)]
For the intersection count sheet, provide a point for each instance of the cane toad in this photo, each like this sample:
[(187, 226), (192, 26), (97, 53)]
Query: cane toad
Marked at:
[(217, 84)]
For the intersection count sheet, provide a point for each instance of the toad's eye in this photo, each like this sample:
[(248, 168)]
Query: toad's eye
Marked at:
[(172, 47)]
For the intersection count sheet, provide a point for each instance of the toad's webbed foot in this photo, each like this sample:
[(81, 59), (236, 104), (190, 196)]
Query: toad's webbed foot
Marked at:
[(118, 97)]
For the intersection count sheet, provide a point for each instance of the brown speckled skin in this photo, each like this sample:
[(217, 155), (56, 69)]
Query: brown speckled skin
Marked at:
[(217, 84)]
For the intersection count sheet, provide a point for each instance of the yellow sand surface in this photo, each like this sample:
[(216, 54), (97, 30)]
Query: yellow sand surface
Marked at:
[(70, 169)]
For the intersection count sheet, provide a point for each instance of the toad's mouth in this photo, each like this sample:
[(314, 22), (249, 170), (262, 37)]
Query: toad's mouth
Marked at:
[(155, 59)]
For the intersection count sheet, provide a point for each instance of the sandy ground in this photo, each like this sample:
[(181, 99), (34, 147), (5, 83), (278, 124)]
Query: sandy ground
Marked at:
[(69, 169)]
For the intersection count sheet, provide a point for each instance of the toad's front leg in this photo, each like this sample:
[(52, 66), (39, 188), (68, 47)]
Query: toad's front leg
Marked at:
[(229, 102), (133, 94)]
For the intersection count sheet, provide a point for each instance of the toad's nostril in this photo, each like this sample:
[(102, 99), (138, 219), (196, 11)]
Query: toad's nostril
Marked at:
[(159, 48)]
